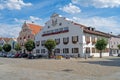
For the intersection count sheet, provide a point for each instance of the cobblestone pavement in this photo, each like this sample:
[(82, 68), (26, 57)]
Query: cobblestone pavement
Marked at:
[(70, 69)]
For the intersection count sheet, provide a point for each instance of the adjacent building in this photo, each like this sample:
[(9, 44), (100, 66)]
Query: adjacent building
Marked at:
[(114, 42), (71, 38), (4, 41), (11, 41), (29, 30)]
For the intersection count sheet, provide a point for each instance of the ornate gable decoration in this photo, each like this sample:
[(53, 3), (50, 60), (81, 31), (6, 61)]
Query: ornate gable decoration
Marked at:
[(54, 22)]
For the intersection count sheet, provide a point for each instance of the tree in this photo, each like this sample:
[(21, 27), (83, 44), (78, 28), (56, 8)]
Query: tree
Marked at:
[(50, 45), (17, 47), (118, 46), (0, 48), (30, 45), (101, 45), (7, 47)]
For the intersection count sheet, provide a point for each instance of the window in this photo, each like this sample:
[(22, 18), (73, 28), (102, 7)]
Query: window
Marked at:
[(74, 39), (87, 49), (42, 43), (24, 30), (37, 51), (57, 50), (48, 32), (42, 50), (75, 50), (66, 50), (22, 44), (28, 36), (60, 24), (48, 26), (57, 41), (66, 40), (61, 29), (97, 51), (93, 40), (65, 28), (87, 39), (24, 38), (106, 50), (52, 31), (37, 43), (56, 30), (20, 38), (93, 50)]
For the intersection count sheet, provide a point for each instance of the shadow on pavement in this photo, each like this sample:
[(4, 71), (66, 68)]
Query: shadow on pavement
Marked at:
[(107, 62)]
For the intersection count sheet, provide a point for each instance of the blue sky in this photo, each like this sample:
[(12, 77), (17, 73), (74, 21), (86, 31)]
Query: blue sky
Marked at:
[(104, 15)]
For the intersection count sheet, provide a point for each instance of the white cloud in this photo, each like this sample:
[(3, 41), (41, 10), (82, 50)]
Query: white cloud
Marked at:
[(98, 3), (9, 30), (70, 8), (19, 20), (110, 24), (30, 19), (13, 4)]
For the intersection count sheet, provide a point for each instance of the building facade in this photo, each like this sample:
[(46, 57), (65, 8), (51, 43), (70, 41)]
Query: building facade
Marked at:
[(13, 42), (114, 42), (29, 30), (4, 41), (71, 38)]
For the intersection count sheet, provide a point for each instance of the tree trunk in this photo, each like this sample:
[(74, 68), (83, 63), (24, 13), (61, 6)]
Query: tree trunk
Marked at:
[(100, 53), (49, 54)]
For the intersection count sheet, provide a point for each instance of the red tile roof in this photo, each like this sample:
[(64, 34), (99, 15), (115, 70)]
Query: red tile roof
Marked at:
[(95, 32), (5, 39), (35, 28), (0, 38)]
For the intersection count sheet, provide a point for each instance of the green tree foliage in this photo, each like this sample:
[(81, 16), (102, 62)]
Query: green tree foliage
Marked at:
[(30, 45), (101, 45), (50, 45), (118, 46), (6, 47), (17, 47), (0, 48)]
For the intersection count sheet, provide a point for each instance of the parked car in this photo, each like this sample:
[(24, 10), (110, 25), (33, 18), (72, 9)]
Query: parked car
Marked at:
[(32, 56), (23, 55), (10, 55), (118, 55), (39, 56), (17, 55), (3, 54)]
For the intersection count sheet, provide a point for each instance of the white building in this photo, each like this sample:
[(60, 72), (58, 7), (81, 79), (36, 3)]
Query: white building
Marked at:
[(71, 38), (11, 41), (114, 42)]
